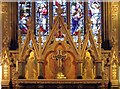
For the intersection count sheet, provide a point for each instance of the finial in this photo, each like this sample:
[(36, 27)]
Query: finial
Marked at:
[(59, 10), (39, 39), (29, 23), (19, 36), (79, 39), (89, 22)]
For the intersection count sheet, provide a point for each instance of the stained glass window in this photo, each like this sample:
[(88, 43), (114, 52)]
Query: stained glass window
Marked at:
[(77, 20), (24, 12), (42, 17), (94, 12), (77, 14), (63, 6), (77, 17)]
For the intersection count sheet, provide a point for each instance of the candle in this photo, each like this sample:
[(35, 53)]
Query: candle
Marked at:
[(102, 65), (16, 65)]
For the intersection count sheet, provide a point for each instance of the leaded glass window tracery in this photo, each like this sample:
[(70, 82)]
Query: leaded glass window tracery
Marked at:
[(63, 6), (77, 19), (24, 12), (42, 17), (94, 12)]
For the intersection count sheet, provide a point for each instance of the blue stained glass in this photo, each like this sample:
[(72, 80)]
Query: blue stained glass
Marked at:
[(42, 17), (63, 6), (24, 12), (77, 18), (94, 12)]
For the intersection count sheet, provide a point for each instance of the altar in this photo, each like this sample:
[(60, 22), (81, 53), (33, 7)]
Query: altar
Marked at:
[(60, 84), (60, 62)]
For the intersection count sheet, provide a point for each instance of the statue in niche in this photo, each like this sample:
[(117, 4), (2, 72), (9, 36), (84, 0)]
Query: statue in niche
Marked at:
[(88, 65), (31, 66)]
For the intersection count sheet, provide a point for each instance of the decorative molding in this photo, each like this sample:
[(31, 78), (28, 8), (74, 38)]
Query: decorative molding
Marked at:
[(5, 25), (114, 22), (114, 40)]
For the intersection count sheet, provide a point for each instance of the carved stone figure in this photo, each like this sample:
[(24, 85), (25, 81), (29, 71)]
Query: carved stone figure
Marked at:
[(88, 66), (31, 67)]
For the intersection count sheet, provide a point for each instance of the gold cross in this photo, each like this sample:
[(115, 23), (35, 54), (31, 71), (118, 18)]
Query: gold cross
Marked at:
[(59, 57)]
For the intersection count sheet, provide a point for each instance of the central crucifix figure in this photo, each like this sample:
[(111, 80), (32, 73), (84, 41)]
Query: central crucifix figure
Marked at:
[(59, 57)]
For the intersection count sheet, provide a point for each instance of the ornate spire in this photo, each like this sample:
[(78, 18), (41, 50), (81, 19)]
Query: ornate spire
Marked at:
[(89, 22), (19, 40), (30, 24), (99, 37), (99, 42), (59, 10), (79, 40), (39, 42)]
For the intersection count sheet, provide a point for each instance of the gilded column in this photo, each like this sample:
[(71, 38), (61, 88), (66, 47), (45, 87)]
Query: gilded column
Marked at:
[(40, 70), (79, 69), (40, 60), (119, 31), (99, 64), (21, 70), (114, 41), (5, 27), (98, 69), (5, 24)]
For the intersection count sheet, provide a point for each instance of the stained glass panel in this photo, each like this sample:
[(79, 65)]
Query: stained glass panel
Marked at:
[(77, 18), (63, 6), (42, 17), (24, 12), (94, 12)]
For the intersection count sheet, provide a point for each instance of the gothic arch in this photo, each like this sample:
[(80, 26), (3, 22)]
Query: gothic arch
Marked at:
[(60, 44), (69, 64)]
